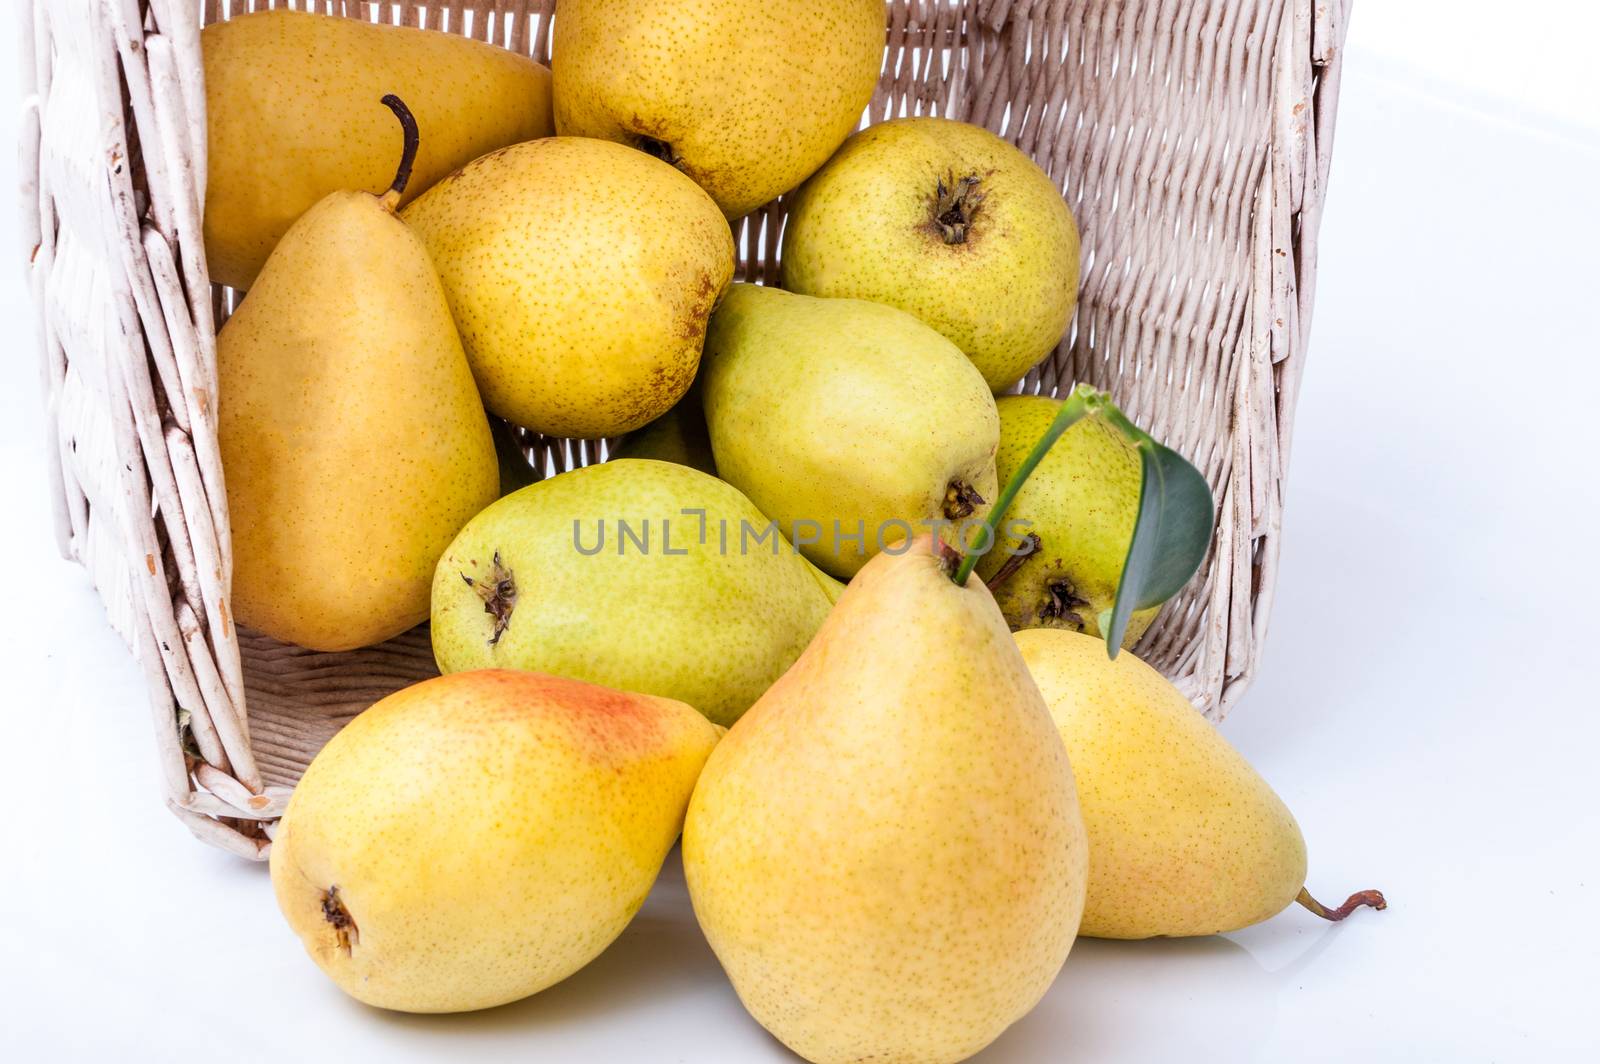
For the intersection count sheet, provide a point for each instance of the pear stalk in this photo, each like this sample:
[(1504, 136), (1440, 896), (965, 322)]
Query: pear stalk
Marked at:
[(1007, 568), (408, 150), (1373, 898)]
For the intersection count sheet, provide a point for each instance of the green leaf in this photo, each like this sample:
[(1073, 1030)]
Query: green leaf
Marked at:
[(1170, 534)]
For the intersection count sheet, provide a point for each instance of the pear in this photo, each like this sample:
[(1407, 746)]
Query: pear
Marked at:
[(852, 424), (747, 97), (581, 274), (830, 587), (473, 839), (679, 436), (292, 114), (949, 222), (637, 574), (1184, 837), (886, 852), (1079, 507), (352, 437)]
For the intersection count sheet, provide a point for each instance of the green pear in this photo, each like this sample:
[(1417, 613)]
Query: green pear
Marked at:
[(292, 114), (1184, 837), (352, 437), (1079, 506), (474, 838), (640, 575), (747, 97), (581, 274), (886, 852), (949, 222), (679, 436), (852, 424)]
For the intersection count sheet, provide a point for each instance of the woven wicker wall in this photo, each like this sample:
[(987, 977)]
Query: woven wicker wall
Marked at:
[(1191, 138)]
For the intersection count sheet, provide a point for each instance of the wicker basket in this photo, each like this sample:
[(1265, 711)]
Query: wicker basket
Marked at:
[(1191, 137)]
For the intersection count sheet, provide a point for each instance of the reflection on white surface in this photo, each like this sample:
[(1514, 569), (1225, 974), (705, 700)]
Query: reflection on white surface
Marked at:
[(661, 975)]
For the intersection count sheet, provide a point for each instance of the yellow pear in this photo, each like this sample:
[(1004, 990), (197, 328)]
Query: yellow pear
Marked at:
[(747, 97), (292, 114), (1184, 837), (352, 437), (473, 839), (886, 852), (946, 221), (1079, 507), (581, 274)]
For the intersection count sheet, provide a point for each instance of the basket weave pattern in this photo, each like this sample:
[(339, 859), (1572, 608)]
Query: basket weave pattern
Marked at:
[(1191, 138)]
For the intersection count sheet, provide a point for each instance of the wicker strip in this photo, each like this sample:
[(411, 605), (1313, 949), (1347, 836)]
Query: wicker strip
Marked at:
[(1192, 138)]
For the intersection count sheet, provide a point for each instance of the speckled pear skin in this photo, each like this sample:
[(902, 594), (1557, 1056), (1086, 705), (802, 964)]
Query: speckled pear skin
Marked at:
[(679, 435), (352, 437), (1081, 501), (293, 114), (710, 627), (721, 89), (864, 227), (483, 835), (581, 274), (839, 411), (886, 852), (1184, 837), (830, 587)]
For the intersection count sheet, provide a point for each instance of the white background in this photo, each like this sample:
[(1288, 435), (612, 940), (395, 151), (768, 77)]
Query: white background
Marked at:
[(1427, 705)]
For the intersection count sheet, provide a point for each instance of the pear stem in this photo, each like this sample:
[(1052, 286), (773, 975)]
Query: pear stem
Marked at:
[(408, 149), (1083, 401), (1355, 901), (1033, 544)]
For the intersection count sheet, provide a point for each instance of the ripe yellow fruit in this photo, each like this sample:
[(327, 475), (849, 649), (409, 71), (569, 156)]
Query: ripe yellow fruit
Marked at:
[(886, 852), (1184, 837), (747, 97), (352, 437), (581, 274), (475, 838), (1080, 505), (292, 114)]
